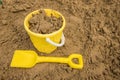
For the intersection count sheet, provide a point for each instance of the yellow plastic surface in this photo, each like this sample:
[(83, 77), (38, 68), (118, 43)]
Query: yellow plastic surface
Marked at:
[(39, 40), (27, 59)]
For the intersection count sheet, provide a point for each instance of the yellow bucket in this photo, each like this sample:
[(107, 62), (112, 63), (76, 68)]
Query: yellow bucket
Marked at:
[(46, 42)]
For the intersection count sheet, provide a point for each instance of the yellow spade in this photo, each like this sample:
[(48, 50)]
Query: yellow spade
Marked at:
[(28, 58)]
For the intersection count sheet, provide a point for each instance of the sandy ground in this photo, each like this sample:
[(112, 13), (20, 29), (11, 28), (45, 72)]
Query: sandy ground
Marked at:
[(92, 29)]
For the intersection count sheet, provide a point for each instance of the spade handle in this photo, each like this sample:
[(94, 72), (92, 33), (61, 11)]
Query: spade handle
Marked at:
[(68, 60)]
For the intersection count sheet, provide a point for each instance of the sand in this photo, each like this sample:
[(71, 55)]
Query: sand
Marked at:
[(43, 24), (92, 30)]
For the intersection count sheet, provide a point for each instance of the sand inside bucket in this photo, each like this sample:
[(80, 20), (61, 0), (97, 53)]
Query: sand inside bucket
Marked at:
[(43, 24)]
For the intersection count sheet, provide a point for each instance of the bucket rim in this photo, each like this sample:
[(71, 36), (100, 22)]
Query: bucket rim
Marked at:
[(28, 17)]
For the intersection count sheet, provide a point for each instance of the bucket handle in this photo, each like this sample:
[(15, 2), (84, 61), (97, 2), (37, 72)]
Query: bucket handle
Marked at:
[(56, 44)]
